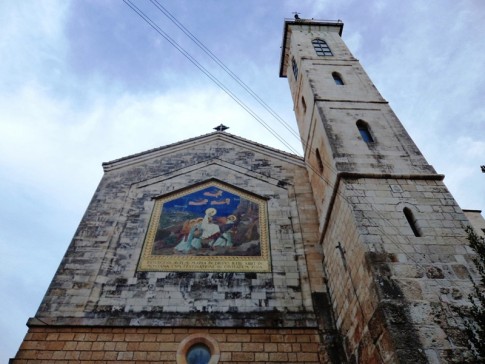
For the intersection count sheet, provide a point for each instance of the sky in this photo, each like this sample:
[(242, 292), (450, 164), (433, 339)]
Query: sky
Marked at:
[(85, 82)]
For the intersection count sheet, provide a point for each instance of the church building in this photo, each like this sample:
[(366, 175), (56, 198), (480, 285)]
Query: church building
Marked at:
[(217, 249)]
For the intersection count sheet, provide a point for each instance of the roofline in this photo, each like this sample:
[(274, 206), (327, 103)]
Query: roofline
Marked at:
[(289, 22), (110, 164)]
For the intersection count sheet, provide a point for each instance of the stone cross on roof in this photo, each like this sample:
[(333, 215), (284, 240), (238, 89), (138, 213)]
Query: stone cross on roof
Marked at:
[(221, 127)]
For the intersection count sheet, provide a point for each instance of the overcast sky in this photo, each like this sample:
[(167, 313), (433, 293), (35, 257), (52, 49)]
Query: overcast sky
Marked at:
[(84, 82)]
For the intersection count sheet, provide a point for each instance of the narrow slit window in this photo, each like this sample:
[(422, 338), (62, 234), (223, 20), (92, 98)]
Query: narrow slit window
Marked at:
[(295, 68), (337, 78), (412, 221), (303, 103), (319, 161), (321, 48), (365, 132)]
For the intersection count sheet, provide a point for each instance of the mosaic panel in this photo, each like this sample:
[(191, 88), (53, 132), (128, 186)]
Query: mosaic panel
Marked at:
[(207, 228)]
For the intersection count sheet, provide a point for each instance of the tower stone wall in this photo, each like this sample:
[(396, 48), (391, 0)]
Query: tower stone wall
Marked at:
[(393, 289)]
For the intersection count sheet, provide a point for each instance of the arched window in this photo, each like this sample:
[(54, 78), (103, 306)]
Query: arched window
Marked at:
[(321, 47), (295, 68), (364, 131), (198, 354), (319, 161), (198, 348), (411, 221), (337, 78)]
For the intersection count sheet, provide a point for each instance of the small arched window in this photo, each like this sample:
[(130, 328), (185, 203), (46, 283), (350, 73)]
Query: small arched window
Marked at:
[(319, 161), (337, 78), (295, 68), (198, 354), (321, 48), (411, 221), (198, 348), (364, 131)]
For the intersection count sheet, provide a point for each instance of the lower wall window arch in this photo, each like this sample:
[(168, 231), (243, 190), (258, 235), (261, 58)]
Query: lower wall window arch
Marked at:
[(413, 224), (364, 131), (319, 161), (294, 66), (303, 103), (337, 78), (198, 348), (198, 354)]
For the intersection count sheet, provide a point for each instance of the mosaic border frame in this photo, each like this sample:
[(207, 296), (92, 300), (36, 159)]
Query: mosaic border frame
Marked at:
[(178, 263)]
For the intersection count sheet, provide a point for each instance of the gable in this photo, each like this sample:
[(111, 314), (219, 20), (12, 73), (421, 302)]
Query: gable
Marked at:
[(204, 142), (135, 241)]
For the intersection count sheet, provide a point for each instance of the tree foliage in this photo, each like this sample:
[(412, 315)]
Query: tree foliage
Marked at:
[(475, 320)]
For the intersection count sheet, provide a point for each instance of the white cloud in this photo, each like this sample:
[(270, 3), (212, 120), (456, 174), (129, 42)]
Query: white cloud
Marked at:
[(51, 137), (379, 6), (309, 9), (32, 37), (471, 148), (354, 41)]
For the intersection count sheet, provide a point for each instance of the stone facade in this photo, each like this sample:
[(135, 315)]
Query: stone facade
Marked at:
[(98, 281), (368, 253), (265, 316)]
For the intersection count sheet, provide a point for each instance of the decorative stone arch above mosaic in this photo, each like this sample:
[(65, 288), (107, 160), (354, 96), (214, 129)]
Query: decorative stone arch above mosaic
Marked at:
[(208, 227)]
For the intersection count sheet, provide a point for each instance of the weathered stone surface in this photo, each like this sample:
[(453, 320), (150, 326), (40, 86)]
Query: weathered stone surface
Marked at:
[(369, 259), (99, 273), (376, 258)]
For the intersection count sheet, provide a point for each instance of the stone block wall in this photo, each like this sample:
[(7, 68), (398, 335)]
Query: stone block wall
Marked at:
[(352, 288), (389, 286), (108, 345), (393, 150), (98, 280)]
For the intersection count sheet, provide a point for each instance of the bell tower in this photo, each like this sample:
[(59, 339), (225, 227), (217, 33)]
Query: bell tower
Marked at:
[(391, 233)]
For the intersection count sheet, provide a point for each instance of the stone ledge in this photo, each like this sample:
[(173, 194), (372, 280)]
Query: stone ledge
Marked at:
[(190, 319)]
